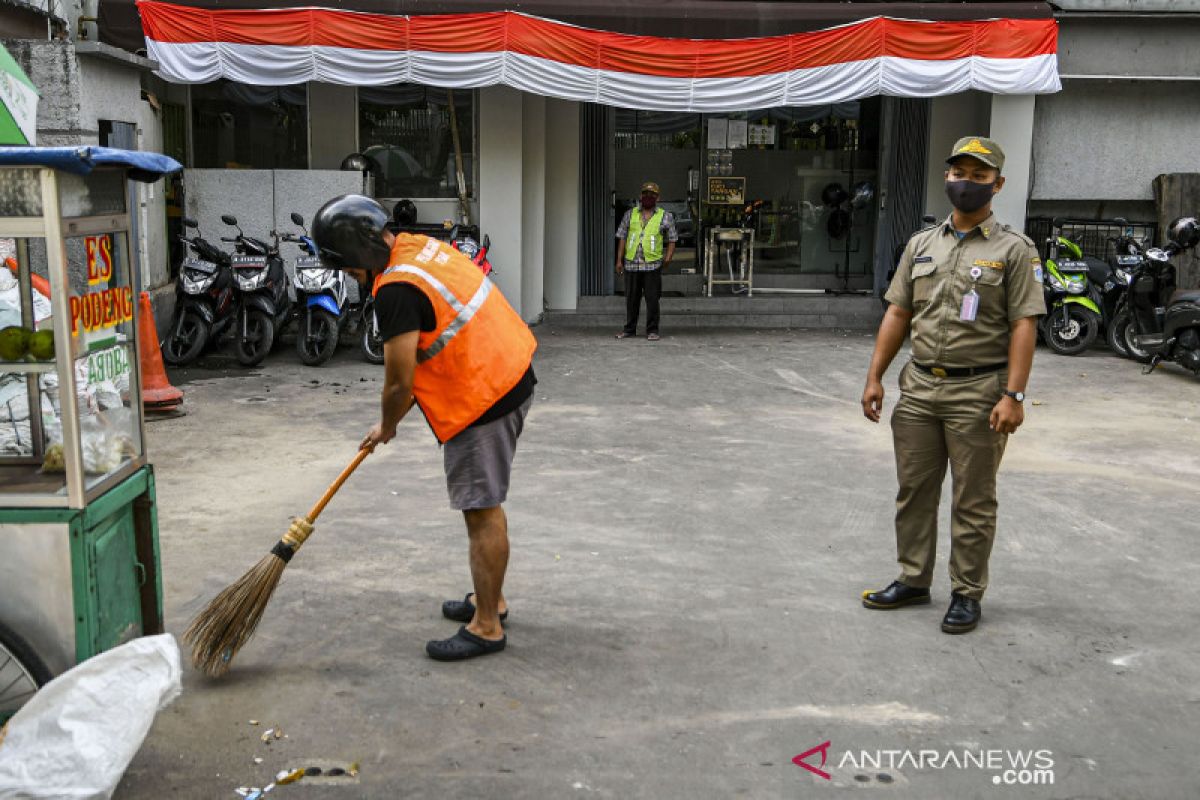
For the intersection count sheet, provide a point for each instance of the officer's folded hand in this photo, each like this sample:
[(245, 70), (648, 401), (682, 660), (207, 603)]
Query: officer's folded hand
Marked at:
[(872, 400), (1007, 416)]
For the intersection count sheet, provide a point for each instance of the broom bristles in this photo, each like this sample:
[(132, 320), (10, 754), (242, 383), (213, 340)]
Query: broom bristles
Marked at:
[(218, 632)]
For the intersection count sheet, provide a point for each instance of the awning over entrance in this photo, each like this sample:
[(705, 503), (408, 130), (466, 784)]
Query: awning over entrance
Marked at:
[(905, 58)]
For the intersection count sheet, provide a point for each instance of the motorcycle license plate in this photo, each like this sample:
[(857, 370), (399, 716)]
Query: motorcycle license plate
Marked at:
[(1126, 261), (200, 265), (308, 262), (249, 262), (1072, 266)]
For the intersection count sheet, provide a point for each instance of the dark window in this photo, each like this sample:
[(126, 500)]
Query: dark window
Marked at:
[(256, 127), (406, 130)]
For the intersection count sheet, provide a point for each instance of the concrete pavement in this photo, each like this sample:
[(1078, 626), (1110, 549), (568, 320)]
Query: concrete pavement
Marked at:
[(692, 523)]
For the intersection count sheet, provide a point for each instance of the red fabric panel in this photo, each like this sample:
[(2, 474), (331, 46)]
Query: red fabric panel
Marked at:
[(566, 44)]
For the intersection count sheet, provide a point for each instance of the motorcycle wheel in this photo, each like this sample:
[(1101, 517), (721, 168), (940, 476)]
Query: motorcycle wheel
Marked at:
[(1127, 332), (1115, 335), (1077, 335), (316, 351), (186, 341), (260, 336), (369, 341), (22, 673)]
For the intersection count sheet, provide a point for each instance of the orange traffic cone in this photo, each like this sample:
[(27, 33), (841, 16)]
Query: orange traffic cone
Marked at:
[(157, 392)]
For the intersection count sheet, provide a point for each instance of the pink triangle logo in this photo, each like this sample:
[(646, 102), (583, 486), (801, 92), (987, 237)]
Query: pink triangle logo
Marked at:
[(823, 749)]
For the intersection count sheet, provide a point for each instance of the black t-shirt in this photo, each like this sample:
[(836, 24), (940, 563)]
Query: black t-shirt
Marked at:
[(403, 308)]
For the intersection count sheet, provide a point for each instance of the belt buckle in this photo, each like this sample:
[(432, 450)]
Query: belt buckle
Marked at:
[(938, 371)]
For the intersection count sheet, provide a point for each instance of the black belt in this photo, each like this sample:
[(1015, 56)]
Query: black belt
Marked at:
[(960, 372)]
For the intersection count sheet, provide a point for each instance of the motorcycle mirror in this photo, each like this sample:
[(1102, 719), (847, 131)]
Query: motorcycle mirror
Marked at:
[(297, 219), (1121, 221), (188, 222), (487, 242), (229, 219)]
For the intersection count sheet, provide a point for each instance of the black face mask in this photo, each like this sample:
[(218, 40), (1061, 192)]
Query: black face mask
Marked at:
[(969, 196)]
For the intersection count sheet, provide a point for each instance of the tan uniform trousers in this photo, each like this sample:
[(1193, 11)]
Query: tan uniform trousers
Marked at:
[(940, 420)]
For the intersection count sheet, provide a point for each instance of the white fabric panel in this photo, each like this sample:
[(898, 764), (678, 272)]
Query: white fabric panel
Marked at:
[(1036, 75), (365, 68), (905, 77), (274, 65), (458, 70), (195, 62)]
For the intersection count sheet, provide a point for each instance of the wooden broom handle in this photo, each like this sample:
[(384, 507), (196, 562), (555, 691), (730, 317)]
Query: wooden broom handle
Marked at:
[(337, 484)]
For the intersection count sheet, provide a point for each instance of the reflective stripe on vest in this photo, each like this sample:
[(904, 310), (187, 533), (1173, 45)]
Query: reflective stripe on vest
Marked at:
[(650, 237), (463, 313)]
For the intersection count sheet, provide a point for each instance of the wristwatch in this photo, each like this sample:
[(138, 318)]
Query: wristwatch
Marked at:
[(1018, 396)]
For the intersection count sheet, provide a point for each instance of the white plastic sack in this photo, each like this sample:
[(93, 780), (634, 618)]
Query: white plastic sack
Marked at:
[(10, 301), (77, 735)]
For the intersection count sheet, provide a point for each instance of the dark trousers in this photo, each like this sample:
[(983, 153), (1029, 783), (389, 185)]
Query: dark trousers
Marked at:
[(637, 284)]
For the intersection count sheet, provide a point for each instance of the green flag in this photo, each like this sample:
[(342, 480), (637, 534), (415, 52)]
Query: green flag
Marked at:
[(18, 103)]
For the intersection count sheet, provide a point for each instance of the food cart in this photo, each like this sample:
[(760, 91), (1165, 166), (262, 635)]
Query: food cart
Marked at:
[(79, 562)]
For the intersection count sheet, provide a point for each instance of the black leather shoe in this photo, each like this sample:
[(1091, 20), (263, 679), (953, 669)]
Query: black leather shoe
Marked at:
[(895, 596), (962, 616)]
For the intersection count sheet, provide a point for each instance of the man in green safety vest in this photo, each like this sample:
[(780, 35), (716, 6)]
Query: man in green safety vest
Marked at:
[(645, 245)]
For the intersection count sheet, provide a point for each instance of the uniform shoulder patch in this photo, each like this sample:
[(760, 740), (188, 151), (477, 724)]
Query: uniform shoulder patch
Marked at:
[(1019, 234)]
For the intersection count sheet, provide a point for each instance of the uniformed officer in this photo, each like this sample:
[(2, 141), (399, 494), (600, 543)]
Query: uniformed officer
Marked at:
[(970, 292)]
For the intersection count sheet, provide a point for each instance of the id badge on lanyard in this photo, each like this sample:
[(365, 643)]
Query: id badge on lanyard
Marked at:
[(970, 301)]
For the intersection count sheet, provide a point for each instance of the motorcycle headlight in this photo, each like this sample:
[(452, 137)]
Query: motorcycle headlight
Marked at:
[(1124, 276), (314, 280), (248, 281), (1076, 287), (1054, 282), (196, 282)]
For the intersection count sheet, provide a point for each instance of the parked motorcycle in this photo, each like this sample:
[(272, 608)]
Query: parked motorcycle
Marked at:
[(1163, 322), (204, 301), (1128, 257), (264, 307), (1072, 320), (321, 300)]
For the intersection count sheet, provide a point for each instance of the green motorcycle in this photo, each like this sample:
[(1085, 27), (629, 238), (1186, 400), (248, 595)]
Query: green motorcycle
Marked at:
[(1073, 319)]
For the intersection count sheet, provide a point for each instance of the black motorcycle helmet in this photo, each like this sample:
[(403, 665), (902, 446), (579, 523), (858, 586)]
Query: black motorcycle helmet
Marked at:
[(405, 213), (349, 231), (1184, 231), (834, 194)]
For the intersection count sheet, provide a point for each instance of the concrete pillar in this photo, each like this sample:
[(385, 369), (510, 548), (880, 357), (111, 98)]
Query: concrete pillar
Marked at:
[(951, 118), (332, 124), (561, 254), (1012, 128), (533, 206), (501, 123)]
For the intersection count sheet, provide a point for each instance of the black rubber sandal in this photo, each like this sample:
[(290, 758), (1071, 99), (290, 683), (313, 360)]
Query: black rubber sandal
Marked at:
[(463, 645), (463, 610)]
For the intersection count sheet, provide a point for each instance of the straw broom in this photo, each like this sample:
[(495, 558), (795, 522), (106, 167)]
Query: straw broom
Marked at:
[(219, 631)]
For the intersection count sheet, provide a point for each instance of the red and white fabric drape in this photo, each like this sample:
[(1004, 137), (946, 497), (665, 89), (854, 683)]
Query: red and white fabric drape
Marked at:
[(904, 58)]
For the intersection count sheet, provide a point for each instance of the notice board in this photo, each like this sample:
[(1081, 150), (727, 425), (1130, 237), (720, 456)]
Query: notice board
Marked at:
[(727, 191)]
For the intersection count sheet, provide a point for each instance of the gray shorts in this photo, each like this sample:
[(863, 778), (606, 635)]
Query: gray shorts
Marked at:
[(479, 461)]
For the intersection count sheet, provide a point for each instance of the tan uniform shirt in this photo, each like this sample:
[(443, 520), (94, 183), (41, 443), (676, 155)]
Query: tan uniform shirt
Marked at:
[(938, 269)]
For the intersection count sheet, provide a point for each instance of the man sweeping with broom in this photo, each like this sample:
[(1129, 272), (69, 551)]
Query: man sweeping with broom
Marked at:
[(452, 346), (456, 348)]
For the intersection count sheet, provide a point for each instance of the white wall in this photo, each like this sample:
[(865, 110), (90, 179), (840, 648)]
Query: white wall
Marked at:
[(501, 123), (533, 206), (562, 205), (951, 118), (1107, 140), (1012, 129)]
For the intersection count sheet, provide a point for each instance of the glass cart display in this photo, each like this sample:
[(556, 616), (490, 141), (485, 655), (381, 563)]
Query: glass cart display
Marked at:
[(79, 565)]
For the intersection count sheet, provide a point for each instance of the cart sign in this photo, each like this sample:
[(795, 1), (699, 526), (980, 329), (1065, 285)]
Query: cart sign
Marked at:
[(99, 259), (727, 191), (105, 309)]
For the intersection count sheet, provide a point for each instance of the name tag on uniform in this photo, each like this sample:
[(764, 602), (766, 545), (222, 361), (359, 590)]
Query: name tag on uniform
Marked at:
[(979, 262), (922, 259)]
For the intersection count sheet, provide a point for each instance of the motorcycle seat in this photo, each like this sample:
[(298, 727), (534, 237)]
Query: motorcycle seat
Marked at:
[(1186, 296), (1098, 270)]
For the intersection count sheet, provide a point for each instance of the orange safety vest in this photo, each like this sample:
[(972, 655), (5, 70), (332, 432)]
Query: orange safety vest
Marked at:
[(480, 347)]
